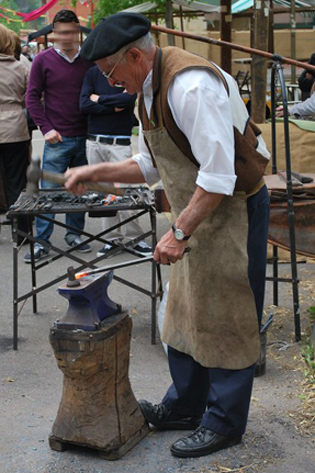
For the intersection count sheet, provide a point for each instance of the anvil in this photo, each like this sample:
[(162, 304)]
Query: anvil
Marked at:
[(89, 303)]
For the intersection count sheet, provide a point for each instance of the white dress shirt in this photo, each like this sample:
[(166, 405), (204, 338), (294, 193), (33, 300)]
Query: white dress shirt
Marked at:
[(204, 112), (66, 57)]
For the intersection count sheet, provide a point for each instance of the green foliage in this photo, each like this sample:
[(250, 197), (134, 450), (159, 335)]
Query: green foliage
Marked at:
[(105, 8), (308, 355), (108, 7), (311, 312), (307, 348), (24, 6), (12, 25)]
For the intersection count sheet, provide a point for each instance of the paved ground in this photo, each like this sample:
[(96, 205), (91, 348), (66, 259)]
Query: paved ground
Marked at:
[(31, 384)]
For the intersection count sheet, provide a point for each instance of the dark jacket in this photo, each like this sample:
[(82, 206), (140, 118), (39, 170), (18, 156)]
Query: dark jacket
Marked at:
[(102, 117), (305, 83)]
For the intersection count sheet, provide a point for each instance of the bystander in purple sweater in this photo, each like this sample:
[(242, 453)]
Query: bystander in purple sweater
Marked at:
[(59, 82)]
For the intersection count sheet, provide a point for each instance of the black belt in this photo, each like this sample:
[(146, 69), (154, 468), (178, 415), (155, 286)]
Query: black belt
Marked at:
[(110, 141)]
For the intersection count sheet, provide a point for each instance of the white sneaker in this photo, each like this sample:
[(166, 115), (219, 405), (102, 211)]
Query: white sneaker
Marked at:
[(106, 249), (143, 249)]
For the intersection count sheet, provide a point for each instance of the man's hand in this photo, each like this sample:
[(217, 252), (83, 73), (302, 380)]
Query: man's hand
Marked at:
[(118, 109), (279, 111), (94, 98), (75, 177), (169, 250), (53, 137)]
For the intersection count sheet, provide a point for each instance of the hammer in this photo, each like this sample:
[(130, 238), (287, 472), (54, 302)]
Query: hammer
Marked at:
[(34, 173)]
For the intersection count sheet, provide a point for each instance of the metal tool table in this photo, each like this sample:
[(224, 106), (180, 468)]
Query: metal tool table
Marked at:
[(32, 207)]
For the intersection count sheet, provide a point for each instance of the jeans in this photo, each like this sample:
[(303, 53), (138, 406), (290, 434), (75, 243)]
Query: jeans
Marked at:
[(68, 153)]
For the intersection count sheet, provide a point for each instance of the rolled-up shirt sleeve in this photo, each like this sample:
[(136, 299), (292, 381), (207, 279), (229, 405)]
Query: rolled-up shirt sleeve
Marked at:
[(202, 110), (304, 108), (144, 161)]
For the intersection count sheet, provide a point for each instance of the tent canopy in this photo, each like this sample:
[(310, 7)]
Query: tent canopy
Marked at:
[(212, 6), (241, 5)]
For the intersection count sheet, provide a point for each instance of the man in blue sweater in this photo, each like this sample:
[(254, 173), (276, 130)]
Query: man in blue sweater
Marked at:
[(110, 120), (56, 76)]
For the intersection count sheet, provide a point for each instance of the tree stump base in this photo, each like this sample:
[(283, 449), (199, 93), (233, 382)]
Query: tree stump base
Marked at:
[(98, 408)]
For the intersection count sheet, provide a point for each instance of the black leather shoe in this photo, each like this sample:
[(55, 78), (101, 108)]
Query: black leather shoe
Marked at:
[(164, 419), (202, 442)]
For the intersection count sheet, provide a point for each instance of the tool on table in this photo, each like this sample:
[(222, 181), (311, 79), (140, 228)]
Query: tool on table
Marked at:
[(35, 173)]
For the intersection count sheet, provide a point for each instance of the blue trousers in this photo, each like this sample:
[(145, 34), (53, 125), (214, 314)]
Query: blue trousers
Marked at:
[(222, 396), (68, 153)]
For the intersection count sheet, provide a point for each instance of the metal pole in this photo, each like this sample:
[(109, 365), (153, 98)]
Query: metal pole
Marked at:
[(295, 281), (274, 171)]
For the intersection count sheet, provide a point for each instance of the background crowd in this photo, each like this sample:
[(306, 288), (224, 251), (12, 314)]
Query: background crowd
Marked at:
[(83, 120)]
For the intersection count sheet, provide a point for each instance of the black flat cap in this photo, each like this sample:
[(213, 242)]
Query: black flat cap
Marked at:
[(112, 33)]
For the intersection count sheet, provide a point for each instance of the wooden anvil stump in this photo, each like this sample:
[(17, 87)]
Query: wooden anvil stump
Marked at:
[(98, 408)]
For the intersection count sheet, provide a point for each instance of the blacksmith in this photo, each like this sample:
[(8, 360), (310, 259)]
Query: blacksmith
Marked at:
[(193, 123)]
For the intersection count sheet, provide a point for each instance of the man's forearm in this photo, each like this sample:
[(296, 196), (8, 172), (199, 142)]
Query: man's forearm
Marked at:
[(200, 207), (126, 171)]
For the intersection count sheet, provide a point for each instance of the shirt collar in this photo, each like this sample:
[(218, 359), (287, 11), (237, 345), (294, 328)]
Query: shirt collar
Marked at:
[(147, 85), (67, 57), (148, 92)]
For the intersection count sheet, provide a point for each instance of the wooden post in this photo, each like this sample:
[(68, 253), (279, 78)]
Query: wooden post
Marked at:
[(169, 21), (226, 35), (259, 64), (293, 40), (182, 26), (271, 41), (156, 33)]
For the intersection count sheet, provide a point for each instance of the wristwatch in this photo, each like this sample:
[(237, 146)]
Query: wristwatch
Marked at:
[(179, 234)]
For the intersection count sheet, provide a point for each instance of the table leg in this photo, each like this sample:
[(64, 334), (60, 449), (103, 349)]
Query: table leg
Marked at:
[(153, 278), (15, 282), (33, 268), (275, 276)]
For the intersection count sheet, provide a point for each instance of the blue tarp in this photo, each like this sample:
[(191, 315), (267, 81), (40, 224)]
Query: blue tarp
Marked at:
[(241, 5)]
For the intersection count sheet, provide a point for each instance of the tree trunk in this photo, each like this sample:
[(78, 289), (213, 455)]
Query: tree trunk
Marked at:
[(226, 35), (293, 40), (259, 64), (169, 21)]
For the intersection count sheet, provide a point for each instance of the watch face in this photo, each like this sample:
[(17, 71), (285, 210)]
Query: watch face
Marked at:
[(179, 234)]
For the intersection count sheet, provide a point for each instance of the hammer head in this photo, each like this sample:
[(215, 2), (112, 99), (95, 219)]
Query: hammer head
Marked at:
[(33, 174)]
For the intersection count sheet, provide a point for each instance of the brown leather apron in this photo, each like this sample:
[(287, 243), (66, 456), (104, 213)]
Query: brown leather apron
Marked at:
[(211, 313)]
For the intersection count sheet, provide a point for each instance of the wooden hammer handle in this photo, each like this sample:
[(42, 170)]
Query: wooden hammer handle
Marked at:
[(60, 179)]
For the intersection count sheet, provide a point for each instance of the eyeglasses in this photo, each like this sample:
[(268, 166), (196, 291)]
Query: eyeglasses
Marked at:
[(108, 76)]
